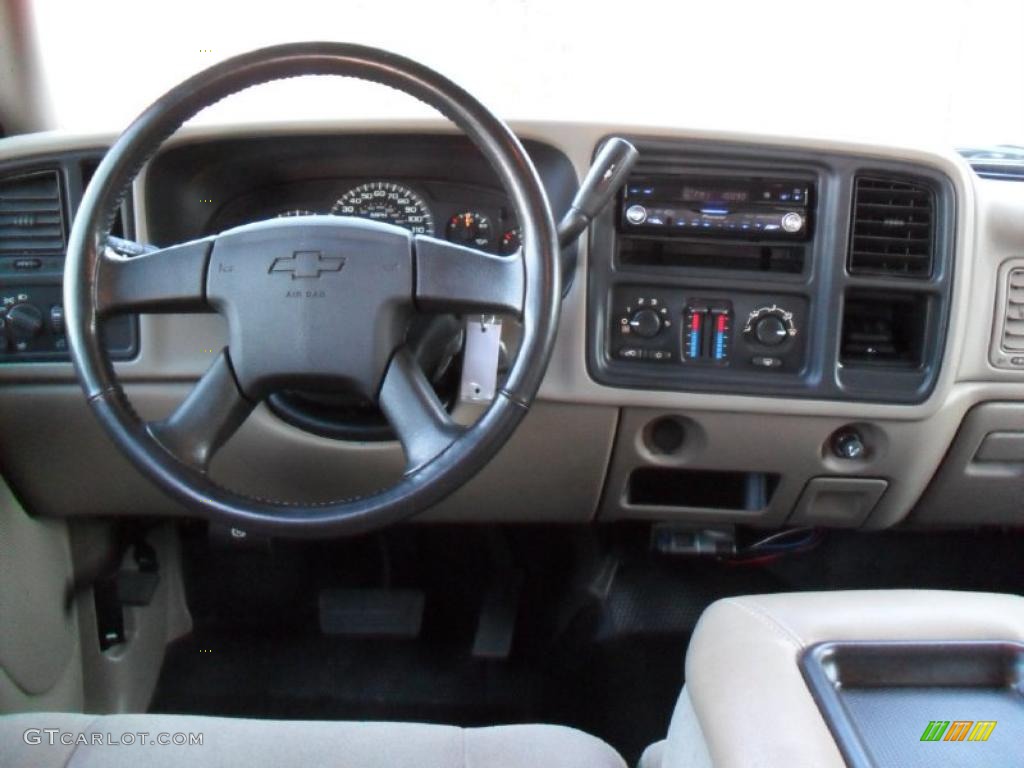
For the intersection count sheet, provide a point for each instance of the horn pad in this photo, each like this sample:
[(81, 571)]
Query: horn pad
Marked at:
[(318, 302)]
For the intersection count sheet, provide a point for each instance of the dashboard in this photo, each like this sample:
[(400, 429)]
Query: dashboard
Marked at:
[(759, 330)]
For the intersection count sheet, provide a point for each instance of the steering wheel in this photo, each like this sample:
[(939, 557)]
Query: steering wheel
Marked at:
[(313, 302)]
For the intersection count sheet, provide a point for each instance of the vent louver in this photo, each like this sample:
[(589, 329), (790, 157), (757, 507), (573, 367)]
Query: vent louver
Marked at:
[(893, 228), (31, 214), (1000, 163), (999, 171), (1013, 324)]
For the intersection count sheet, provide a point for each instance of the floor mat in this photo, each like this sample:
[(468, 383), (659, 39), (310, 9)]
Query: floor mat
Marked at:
[(299, 675), (608, 662)]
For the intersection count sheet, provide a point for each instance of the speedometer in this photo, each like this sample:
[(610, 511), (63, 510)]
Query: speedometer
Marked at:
[(387, 202)]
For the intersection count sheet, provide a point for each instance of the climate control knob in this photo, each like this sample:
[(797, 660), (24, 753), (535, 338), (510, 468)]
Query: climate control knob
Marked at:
[(646, 323), (770, 326), (24, 321), (770, 331)]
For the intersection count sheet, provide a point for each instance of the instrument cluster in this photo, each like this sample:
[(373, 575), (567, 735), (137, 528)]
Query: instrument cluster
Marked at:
[(473, 216)]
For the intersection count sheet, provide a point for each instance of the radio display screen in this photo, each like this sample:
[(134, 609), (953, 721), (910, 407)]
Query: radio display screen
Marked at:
[(702, 190), (691, 194)]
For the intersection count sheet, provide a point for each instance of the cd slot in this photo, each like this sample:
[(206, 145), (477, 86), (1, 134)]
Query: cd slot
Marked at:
[(679, 253)]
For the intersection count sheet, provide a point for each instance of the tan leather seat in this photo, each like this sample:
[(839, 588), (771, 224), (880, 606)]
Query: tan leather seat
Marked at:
[(25, 742), (745, 701)]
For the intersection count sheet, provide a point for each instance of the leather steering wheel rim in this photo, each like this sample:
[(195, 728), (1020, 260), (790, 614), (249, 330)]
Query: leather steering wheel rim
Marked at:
[(426, 483)]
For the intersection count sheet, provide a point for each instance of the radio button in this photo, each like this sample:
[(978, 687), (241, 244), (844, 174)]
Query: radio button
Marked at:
[(792, 222), (636, 214)]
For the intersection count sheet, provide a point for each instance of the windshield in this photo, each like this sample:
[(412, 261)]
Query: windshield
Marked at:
[(923, 73)]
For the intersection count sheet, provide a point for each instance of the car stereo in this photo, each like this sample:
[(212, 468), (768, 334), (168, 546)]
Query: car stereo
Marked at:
[(717, 207)]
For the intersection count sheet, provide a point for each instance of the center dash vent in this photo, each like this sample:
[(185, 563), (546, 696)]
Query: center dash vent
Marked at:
[(31, 215), (893, 230)]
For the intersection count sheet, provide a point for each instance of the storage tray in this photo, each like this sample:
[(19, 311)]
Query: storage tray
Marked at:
[(921, 704)]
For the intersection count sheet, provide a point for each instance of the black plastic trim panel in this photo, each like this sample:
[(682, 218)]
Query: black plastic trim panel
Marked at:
[(822, 284)]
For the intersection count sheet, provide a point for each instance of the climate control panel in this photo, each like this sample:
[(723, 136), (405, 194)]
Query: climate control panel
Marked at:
[(32, 326), (707, 329)]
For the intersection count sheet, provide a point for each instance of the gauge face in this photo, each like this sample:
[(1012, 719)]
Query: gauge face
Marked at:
[(469, 228), (295, 212), (510, 242), (387, 202)]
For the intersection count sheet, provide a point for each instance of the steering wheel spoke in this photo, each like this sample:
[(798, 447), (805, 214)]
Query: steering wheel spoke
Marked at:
[(412, 407), (133, 278), (461, 280), (207, 418)]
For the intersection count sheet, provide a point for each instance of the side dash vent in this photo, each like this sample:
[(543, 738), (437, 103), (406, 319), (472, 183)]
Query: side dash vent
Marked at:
[(31, 214), (1013, 322)]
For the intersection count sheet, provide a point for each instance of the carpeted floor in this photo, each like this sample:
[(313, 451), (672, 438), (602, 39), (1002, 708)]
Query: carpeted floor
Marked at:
[(601, 654)]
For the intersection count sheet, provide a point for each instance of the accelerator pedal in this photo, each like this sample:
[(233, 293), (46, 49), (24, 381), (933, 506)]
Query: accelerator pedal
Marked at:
[(497, 624)]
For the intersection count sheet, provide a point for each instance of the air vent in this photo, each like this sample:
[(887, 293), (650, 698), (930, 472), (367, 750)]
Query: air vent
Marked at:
[(31, 214), (1000, 163), (999, 171), (1013, 325), (883, 329), (893, 228)]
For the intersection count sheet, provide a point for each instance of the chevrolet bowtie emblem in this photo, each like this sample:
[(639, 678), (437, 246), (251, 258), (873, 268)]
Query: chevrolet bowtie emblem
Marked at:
[(307, 264)]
